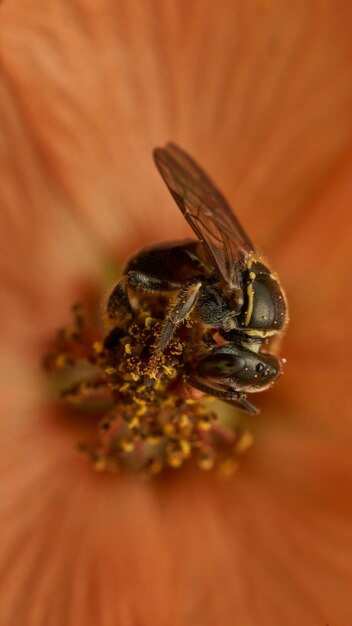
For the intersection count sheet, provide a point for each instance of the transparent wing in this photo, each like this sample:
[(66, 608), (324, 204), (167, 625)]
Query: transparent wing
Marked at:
[(206, 210)]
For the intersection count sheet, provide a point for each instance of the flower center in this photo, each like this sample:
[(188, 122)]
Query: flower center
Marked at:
[(150, 421)]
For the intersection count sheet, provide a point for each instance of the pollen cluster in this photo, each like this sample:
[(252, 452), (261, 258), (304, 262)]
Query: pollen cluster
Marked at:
[(146, 420)]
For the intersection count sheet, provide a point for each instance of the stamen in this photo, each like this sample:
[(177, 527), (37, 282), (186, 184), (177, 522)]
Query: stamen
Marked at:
[(144, 422)]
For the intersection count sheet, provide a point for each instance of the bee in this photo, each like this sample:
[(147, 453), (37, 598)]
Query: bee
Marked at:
[(218, 280)]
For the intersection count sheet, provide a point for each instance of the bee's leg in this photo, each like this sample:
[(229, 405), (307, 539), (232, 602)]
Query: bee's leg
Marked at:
[(179, 308), (235, 398), (118, 305), (147, 282)]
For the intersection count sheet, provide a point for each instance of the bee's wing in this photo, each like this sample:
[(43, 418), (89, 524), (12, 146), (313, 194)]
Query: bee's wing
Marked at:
[(206, 210)]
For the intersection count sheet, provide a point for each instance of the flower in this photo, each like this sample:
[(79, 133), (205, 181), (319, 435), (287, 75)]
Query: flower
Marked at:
[(261, 94)]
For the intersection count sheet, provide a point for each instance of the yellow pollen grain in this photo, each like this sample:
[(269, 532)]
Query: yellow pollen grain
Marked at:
[(244, 443), (169, 371), (184, 420), (126, 445), (204, 424), (205, 463), (252, 275), (153, 440), (134, 422), (227, 468), (148, 322), (185, 447), (169, 401), (168, 429), (177, 349), (128, 348), (155, 467), (132, 376), (124, 387), (100, 464), (61, 360), (175, 459)]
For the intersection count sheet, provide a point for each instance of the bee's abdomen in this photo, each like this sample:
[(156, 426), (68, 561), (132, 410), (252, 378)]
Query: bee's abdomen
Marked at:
[(175, 261)]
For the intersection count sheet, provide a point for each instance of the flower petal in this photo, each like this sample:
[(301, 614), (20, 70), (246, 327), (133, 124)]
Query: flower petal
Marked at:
[(260, 92), (274, 541), (315, 262)]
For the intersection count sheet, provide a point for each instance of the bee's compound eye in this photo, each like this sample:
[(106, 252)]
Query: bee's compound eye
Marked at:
[(221, 365)]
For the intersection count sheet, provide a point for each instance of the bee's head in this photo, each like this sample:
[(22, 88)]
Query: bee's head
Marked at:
[(240, 368)]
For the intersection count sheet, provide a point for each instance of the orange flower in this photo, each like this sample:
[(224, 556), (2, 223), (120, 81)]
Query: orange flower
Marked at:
[(261, 93)]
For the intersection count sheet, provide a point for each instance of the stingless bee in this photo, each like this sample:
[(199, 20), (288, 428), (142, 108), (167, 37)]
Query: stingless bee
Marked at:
[(218, 280)]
